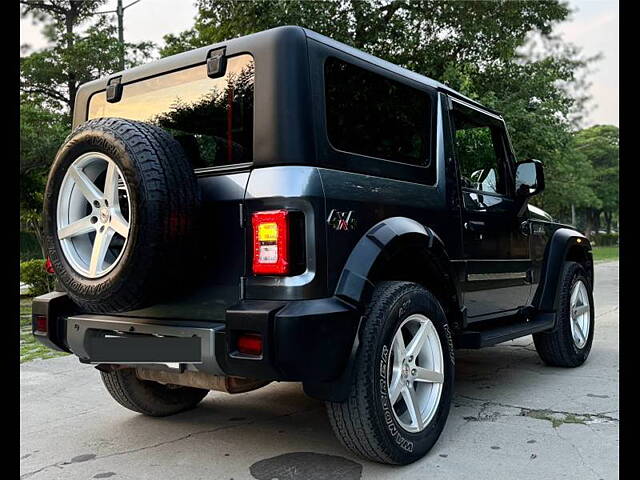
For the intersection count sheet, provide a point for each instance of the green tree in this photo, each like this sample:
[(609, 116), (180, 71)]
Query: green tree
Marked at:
[(84, 47), (600, 146), (41, 132)]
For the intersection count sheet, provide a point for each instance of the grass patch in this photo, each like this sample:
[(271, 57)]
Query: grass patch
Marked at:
[(556, 419), (30, 348), (605, 254)]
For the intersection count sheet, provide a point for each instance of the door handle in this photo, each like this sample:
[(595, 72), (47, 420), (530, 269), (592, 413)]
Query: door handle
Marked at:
[(474, 226)]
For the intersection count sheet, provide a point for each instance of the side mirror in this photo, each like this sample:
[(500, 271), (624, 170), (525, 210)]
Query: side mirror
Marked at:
[(529, 178)]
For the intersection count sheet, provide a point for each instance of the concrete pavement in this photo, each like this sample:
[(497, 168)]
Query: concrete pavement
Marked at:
[(512, 418)]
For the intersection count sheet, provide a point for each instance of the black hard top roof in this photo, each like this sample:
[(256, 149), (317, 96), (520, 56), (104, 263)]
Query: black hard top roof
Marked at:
[(263, 41), (391, 67)]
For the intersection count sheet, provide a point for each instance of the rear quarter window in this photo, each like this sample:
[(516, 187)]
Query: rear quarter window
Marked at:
[(211, 118), (369, 114)]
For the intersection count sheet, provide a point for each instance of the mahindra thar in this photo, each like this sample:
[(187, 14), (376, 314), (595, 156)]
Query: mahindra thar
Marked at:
[(283, 207)]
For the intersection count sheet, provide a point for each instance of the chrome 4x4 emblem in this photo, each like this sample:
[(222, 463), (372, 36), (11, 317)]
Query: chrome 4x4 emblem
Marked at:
[(341, 220)]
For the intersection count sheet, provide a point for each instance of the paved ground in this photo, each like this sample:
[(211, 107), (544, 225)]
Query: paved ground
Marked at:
[(511, 418)]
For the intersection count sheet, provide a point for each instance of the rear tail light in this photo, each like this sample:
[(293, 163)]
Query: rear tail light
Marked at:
[(249, 344), (39, 324), (271, 242)]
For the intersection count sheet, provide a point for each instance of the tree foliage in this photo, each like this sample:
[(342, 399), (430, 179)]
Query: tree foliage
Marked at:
[(84, 46), (600, 147)]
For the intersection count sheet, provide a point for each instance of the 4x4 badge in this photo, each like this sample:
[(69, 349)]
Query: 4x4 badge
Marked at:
[(341, 220)]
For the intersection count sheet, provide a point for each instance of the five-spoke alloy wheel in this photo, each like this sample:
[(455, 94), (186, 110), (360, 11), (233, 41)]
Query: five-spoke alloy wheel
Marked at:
[(580, 314), (93, 214), (416, 373)]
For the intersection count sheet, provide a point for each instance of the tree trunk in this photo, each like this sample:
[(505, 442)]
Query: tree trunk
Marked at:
[(72, 85), (36, 227), (358, 37), (588, 222), (573, 215), (607, 218)]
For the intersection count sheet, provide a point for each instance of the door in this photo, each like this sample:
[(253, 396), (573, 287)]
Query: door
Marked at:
[(495, 235)]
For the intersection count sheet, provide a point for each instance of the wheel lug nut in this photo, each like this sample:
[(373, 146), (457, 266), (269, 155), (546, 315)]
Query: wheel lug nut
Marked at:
[(96, 203), (410, 359), (94, 219), (413, 371)]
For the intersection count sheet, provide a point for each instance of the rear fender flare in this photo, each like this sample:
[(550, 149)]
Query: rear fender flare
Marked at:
[(355, 284)]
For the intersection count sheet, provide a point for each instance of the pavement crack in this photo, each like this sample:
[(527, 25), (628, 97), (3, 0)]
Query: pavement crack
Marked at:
[(601, 314), (577, 450), (556, 417)]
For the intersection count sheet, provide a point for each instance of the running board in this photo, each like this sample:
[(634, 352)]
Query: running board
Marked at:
[(493, 336)]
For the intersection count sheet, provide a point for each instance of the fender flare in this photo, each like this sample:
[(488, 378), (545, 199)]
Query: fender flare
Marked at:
[(354, 284), (356, 287), (561, 243)]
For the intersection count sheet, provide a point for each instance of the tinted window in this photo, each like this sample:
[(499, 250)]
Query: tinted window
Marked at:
[(480, 153), (371, 115), (211, 118)]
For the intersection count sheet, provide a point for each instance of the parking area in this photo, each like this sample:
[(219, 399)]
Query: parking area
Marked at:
[(512, 417)]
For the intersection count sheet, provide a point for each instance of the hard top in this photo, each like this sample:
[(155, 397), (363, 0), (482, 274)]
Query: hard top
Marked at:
[(273, 38)]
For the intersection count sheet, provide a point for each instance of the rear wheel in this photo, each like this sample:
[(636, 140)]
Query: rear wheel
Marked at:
[(403, 381), (569, 343), (150, 398)]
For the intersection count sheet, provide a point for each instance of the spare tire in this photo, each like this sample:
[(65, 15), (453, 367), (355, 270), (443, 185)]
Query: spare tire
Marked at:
[(120, 210)]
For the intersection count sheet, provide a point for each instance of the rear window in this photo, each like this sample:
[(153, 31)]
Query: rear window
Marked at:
[(372, 115), (211, 118)]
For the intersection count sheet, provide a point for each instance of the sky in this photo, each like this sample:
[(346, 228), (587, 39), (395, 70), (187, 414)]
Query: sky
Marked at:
[(593, 27)]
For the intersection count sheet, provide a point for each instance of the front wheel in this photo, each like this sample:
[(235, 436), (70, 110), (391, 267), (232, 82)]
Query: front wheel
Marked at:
[(569, 343), (403, 377)]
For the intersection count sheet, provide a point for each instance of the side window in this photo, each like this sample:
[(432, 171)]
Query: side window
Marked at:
[(480, 151), (368, 114)]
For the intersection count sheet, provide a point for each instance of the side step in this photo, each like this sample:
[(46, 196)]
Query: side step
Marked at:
[(492, 336)]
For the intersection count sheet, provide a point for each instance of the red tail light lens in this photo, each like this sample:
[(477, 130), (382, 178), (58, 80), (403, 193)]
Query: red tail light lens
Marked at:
[(270, 242), (250, 344), (40, 324)]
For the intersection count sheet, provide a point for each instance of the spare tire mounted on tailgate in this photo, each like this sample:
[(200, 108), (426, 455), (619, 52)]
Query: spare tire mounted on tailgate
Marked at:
[(119, 210)]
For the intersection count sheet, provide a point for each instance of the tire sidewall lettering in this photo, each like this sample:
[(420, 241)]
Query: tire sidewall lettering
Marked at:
[(409, 303), (388, 417)]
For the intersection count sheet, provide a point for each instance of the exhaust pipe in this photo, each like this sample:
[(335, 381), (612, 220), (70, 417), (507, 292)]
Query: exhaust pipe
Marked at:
[(220, 383)]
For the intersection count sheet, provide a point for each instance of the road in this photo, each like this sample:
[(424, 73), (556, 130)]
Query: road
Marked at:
[(512, 418)]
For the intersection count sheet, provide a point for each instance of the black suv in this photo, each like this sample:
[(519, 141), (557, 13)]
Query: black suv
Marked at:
[(283, 207)]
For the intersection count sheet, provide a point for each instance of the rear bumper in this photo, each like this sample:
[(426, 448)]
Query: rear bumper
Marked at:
[(304, 340)]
